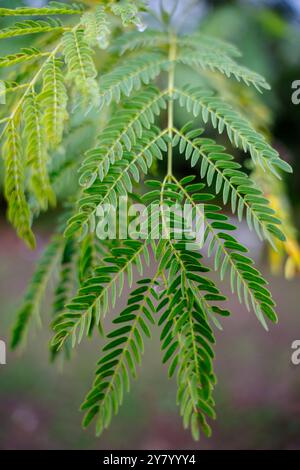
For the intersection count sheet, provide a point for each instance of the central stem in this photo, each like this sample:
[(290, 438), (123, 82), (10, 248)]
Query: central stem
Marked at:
[(171, 75)]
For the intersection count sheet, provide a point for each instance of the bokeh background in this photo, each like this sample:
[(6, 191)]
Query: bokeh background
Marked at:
[(258, 394)]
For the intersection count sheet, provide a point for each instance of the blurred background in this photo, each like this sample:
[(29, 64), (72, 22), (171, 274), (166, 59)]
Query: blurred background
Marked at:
[(258, 391)]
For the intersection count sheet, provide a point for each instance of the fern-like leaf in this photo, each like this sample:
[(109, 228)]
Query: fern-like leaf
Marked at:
[(118, 182), (81, 68), (216, 61), (124, 106), (133, 40), (24, 55), (231, 256), (187, 337), (122, 134), (32, 27), (53, 8), (239, 130), (96, 27), (53, 100), (99, 292), (18, 209), (130, 76), (121, 356), (200, 41), (243, 194), (36, 152)]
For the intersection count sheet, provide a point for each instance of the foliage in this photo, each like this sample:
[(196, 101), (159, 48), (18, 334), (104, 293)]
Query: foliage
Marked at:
[(91, 65)]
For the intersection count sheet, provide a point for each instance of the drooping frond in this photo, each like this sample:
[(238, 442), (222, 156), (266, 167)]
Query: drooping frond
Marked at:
[(130, 76), (237, 188), (216, 61), (18, 209), (53, 100), (36, 152), (187, 337), (122, 355), (118, 182), (122, 134), (36, 290), (230, 255), (224, 118), (81, 68), (32, 27), (53, 8), (98, 293)]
